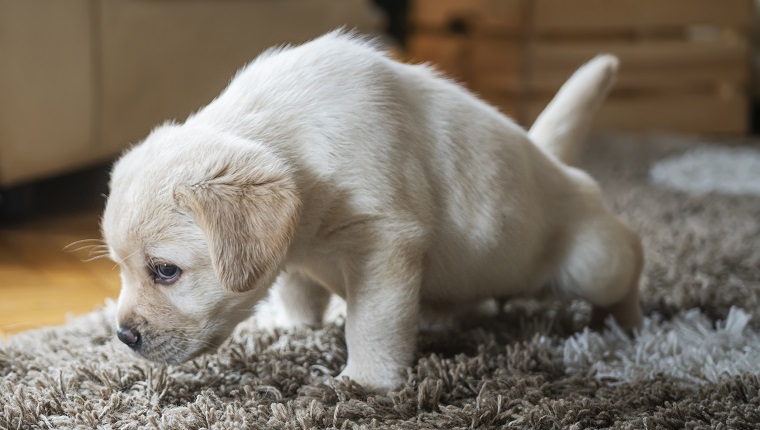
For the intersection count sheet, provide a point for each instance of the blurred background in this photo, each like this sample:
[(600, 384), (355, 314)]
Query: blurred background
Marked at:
[(82, 80)]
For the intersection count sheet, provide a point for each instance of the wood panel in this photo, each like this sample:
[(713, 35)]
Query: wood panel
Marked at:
[(684, 63), (674, 79), (670, 65), (646, 54), (682, 113), (502, 15), (497, 54), (448, 52), (613, 15)]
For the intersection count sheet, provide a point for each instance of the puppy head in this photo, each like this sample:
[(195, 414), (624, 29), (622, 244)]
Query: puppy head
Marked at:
[(199, 222)]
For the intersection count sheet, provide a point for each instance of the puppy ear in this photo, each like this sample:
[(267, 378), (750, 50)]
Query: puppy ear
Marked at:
[(249, 217)]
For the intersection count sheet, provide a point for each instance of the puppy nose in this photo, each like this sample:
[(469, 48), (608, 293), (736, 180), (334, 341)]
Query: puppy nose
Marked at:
[(129, 336)]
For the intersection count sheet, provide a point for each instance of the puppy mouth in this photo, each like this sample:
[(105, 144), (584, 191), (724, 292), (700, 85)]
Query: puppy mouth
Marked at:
[(173, 350)]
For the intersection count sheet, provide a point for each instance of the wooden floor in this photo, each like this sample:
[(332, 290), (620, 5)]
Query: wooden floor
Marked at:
[(40, 282)]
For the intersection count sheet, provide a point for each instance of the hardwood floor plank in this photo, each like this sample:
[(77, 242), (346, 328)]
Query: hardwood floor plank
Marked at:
[(40, 282)]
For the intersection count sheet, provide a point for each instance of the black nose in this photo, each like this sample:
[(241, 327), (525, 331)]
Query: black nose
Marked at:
[(130, 336)]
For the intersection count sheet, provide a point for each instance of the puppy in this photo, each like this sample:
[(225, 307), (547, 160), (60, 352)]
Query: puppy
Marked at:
[(333, 169)]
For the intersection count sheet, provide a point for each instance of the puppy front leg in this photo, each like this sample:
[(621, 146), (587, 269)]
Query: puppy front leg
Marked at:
[(381, 322)]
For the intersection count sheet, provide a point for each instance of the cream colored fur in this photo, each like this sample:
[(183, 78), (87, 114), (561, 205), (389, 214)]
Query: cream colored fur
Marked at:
[(341, 171)]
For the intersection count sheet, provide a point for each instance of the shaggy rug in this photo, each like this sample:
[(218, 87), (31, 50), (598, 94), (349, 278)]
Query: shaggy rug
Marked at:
[(525, 364)]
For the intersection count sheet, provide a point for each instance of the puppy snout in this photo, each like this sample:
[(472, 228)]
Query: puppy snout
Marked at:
[(130, 336)]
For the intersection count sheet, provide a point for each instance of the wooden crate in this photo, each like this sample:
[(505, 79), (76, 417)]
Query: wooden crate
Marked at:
[(684, 63)]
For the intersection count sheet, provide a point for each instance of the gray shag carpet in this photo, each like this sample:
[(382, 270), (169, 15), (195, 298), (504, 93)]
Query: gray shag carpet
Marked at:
[(527, 364)]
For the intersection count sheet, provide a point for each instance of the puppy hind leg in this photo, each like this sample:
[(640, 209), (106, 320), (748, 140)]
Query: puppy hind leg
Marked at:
[(304, 300), (603, 267), (626, 312)]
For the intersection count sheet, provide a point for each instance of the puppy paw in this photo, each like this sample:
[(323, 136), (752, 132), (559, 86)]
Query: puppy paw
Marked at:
[(381, 382), (627, 315)]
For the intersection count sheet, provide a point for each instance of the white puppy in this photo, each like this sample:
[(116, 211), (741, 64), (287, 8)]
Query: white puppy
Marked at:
[(344, 172)]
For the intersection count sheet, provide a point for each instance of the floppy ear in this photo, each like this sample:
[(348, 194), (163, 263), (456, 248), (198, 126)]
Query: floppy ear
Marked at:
[(248, 216)]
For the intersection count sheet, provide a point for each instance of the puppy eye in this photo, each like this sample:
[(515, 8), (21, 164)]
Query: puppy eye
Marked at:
[(165, 273)]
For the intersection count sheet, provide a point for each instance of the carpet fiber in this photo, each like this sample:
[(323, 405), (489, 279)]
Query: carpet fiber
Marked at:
[(528, 364)]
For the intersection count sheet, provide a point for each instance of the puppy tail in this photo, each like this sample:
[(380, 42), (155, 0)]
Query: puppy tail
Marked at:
[(563, 126)]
